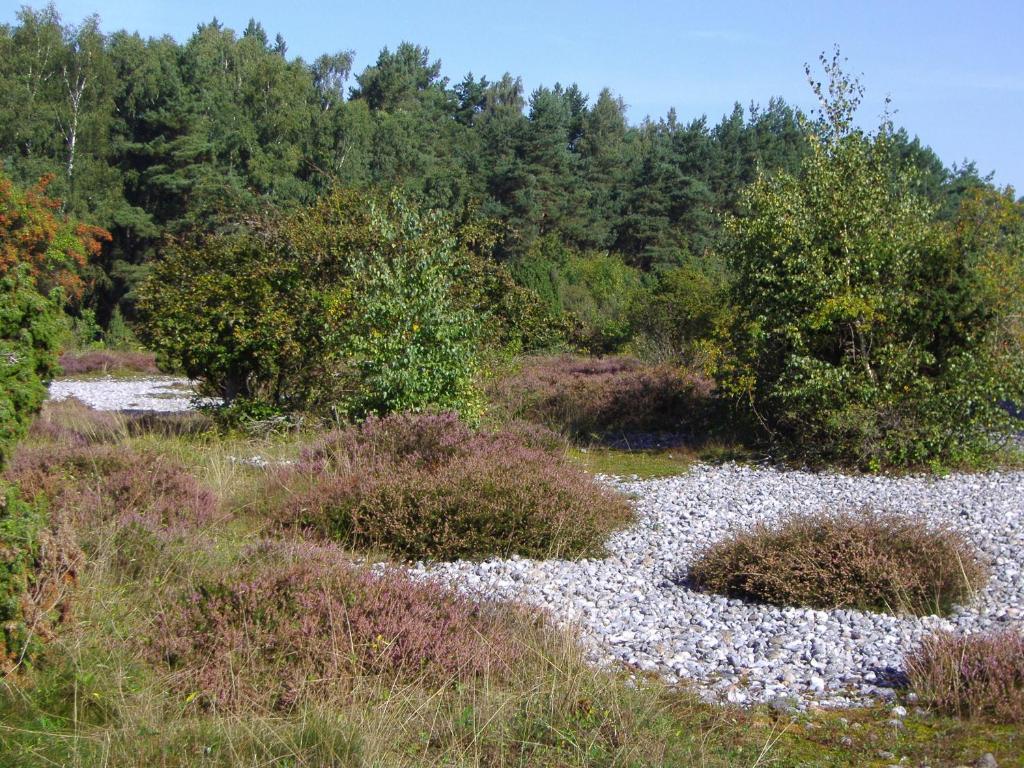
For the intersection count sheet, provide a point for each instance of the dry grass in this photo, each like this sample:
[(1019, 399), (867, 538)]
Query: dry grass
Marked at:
[(874, 561), (427, 486), (108, 361), (976, 676)]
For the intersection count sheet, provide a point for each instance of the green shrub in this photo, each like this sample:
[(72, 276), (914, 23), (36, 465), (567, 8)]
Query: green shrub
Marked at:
[(39, 251), (682, 315), (886, 562), (593, 291), (865, 332), (347, 304), (29, 330)]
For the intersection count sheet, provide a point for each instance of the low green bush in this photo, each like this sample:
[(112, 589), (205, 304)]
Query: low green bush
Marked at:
[(29, 332), (349, 304), (884, 562)]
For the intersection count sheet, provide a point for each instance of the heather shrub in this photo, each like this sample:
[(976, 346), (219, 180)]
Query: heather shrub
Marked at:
[(977, 676), (38, 563), (71, 422), (108, 361), (875, 561), (96, 484), (427, 486), (294, 621), (587, 397)]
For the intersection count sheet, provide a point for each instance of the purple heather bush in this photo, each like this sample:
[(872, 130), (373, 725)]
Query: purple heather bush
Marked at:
[(299, 619), (93, 484), (584, 397), (428, 486), (979, 676), (108, 361)]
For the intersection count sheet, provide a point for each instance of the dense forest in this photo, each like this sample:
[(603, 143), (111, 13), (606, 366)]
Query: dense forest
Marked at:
[(154, 139)]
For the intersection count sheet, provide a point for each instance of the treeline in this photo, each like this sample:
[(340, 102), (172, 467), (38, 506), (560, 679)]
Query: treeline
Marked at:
[(155, 138)]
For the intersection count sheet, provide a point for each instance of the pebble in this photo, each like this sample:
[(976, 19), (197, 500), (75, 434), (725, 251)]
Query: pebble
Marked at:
[(164, 394)]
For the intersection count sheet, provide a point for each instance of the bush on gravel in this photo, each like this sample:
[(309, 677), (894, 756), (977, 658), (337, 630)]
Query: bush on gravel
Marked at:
[(876, 561)]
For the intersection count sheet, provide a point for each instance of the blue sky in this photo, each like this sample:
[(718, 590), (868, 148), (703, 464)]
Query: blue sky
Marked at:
[(955, 70)]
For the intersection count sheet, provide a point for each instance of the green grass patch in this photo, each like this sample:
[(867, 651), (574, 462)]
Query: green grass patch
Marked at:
[(646, 465)]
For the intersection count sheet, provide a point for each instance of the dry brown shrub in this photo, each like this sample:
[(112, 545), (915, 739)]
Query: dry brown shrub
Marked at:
[(979, 676), (427, 486), (876, 561), (293, 622), (586, 397), (108, 361)]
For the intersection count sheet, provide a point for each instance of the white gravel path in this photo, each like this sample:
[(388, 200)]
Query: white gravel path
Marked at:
[(167, 394)]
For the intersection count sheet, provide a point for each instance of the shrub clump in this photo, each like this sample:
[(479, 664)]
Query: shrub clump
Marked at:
[(349, 305), (38, 563), (95, 484), (292, 620), (884, 562), (586, 397), (978, 676), (868, 332), (428, 486), (108, 361)]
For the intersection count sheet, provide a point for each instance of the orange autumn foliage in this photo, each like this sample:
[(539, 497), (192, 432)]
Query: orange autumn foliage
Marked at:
[(34, 231)]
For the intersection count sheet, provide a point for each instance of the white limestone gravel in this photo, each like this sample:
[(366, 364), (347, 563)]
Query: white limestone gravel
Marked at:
[(631, 607), (166, 394)]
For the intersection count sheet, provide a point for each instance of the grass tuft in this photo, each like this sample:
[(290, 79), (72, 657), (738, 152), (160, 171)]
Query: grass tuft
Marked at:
[(972, 676)]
